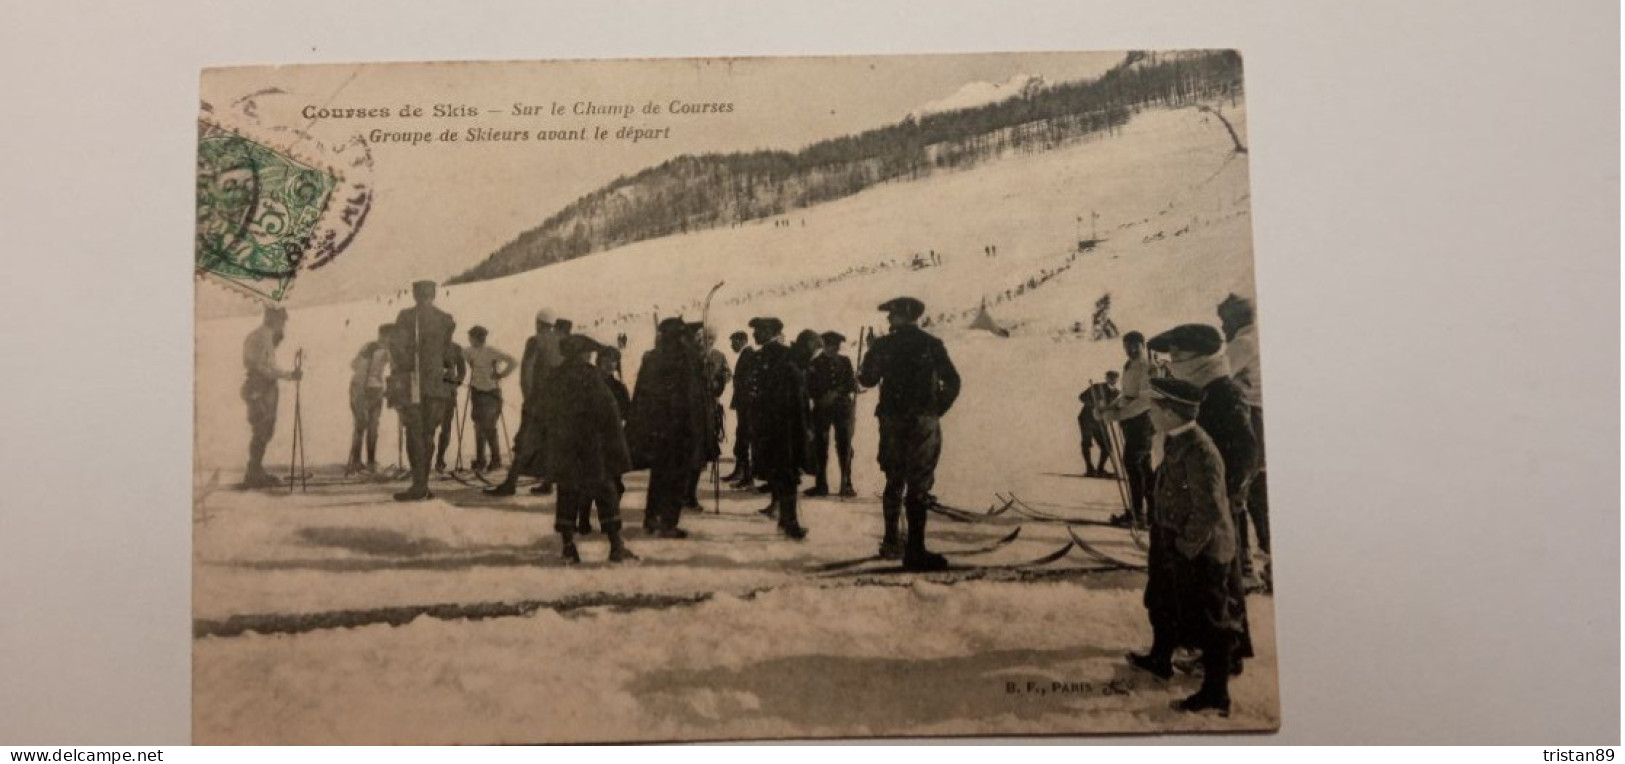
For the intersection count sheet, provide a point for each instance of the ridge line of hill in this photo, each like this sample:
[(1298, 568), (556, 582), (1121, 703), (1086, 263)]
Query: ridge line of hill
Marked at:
[(691, 193)]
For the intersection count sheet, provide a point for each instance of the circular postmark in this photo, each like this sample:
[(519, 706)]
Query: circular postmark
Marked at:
[(274, 200)]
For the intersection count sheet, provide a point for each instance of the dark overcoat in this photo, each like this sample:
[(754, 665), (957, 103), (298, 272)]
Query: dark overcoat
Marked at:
[(1227, 420), (584, 442), (780, 423), (668, 427)]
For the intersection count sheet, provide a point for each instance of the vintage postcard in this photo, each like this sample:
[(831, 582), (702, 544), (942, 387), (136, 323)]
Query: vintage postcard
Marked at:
[(728, 399)]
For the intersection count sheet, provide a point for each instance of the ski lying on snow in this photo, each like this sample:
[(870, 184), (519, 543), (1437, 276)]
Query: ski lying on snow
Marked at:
[(984, 549), (1093, 551), (956, 567), (1026, 510)]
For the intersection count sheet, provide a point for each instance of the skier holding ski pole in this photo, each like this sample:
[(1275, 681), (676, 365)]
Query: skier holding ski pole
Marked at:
[(259, 391)]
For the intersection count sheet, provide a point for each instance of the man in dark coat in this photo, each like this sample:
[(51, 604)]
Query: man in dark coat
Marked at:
[(667, 429), (743, 384), (418, 360), (541, 357), (586, 450), (833, 386), (780, 424), (918, 385), (1196, 356), (1192, 581)]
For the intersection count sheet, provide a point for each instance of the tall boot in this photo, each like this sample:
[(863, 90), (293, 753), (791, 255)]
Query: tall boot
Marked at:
[(618, 552), (1215, 692), (1160, 661), (789, 523), (569, 553), (846, 475), (915, 556)]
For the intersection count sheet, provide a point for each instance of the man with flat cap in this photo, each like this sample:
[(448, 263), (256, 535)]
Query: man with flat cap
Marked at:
[(918, 385), (418, 354), (668, 427), (743, 381), (833, 386), (540, 358), (779, 424), (586, 451), (260, 392), (1193, 585), (1196, 356)]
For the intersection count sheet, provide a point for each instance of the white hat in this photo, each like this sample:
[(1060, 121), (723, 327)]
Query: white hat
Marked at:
[(544, 316)]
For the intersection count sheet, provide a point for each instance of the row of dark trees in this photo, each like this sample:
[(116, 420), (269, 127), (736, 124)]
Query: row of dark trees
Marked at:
[(690, 193)]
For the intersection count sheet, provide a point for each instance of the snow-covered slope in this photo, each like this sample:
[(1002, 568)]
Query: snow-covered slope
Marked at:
[(771, 650)]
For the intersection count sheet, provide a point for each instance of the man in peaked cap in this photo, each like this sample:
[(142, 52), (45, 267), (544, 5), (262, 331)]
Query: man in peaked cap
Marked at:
[(833, 386), (260, 392), (1192, 584), (1196, 357), (418, 354), (918, 385), (779, 424)]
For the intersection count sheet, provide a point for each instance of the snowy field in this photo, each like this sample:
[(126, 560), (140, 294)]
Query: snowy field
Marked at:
[(340, 616)]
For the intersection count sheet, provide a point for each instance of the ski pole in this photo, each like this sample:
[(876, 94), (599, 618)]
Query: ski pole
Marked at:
[(503, 416), (1114, 456), (293, 453), (462, 419)]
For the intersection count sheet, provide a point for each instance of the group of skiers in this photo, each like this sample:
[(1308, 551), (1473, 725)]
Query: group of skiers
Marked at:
[(1205, 400), (581, 430)]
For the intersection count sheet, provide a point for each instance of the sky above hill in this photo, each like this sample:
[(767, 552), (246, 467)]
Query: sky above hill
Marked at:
[(441, 207)]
